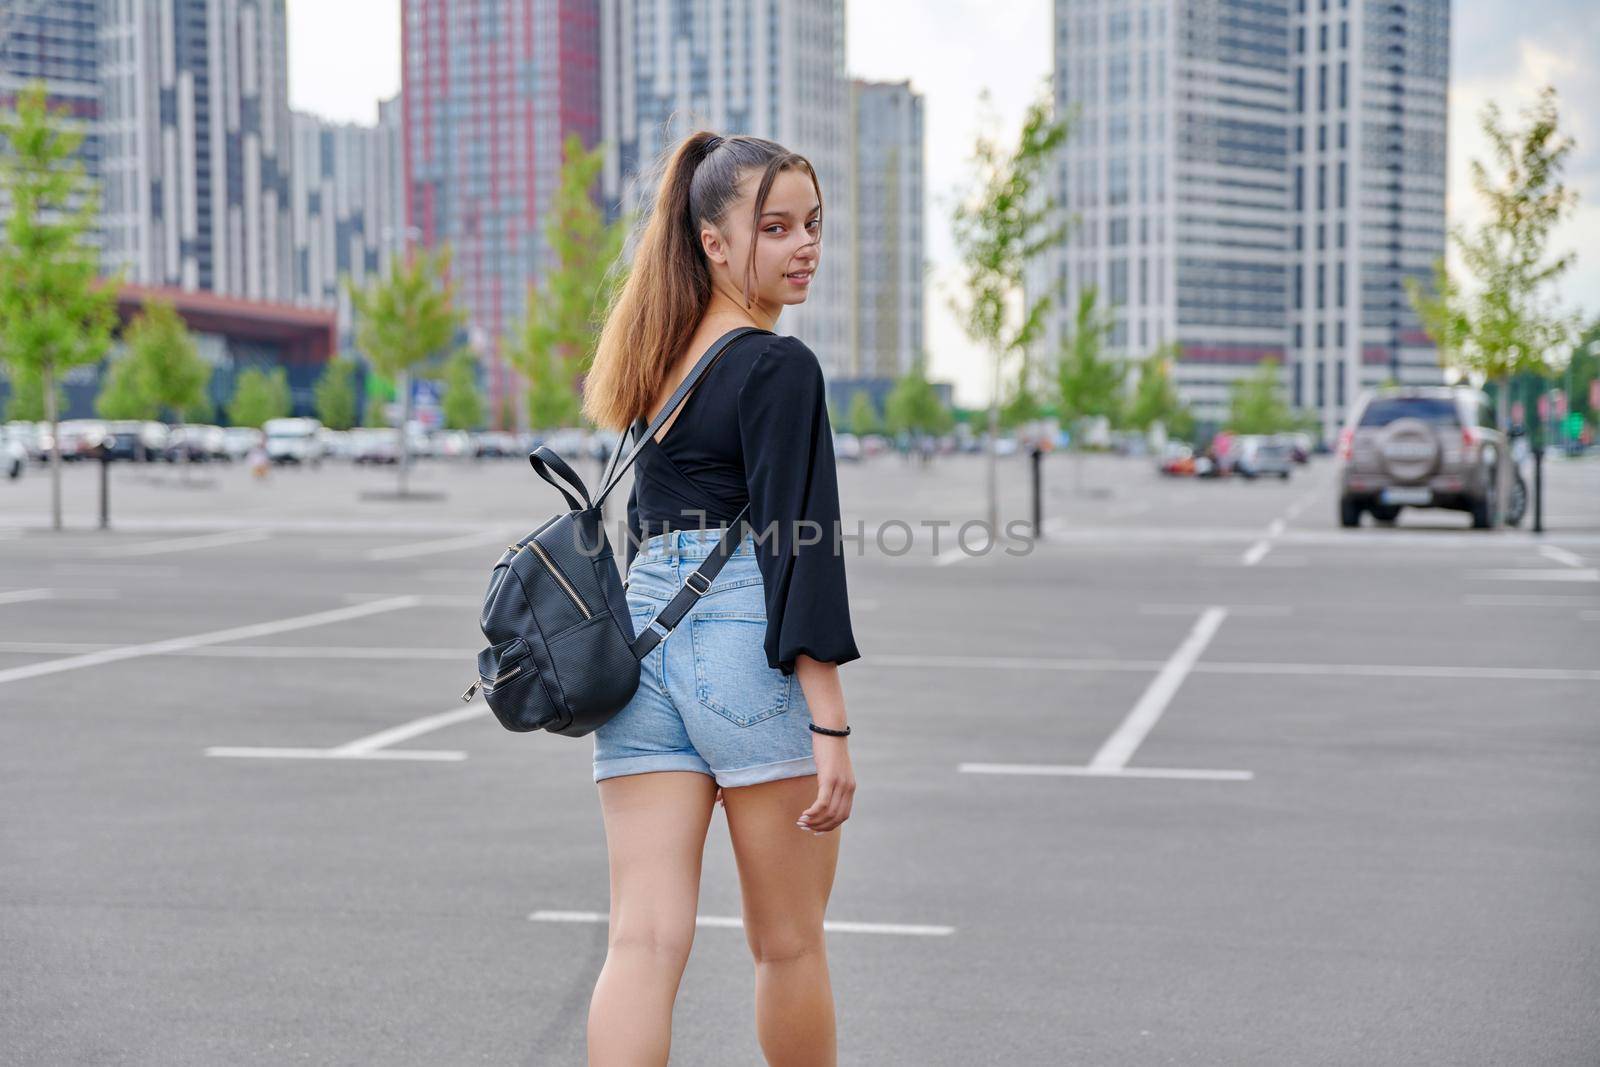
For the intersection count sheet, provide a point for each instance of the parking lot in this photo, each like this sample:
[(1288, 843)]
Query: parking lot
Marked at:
[(1202, 778)]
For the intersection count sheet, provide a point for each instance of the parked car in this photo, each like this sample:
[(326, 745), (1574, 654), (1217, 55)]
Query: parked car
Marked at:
[(1260, 456), (847, 446), (293, 440), (1420, 446), (375, 444), (195, 443), (1300, 445), (496, 444), (237, 441), (1176, 460)]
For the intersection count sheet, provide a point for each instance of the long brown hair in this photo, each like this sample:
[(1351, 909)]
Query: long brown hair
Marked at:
[(655, 311)]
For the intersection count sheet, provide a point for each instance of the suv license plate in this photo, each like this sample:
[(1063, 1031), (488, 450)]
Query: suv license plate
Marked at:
[(1404, 495)]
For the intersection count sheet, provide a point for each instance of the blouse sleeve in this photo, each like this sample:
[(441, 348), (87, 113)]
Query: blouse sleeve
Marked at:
[(794, 506)]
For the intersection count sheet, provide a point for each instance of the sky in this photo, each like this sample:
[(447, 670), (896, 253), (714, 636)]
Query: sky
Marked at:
[(344, 57)]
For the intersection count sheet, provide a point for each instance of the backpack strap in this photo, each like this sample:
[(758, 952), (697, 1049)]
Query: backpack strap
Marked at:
[(712, 354), (669, 616)]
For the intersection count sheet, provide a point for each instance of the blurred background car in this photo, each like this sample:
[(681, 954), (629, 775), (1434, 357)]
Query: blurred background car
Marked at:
[(495, 444), (135, 440), (847, 446), (1176, 460), (1260, 456), (375, 444), (293, 440), (1423, 447), (195, 443), (237, 441)]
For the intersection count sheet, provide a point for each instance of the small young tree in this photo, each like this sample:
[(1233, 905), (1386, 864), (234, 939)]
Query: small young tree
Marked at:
[(1256, 403), (554, 344), (1509, 323), (55, 313), (333, 397), (1155, 397), (463, 403), (407, 322), (913, 406), (259, 395), (1088, 383), (862, 417), (27, 395), (1004, 226), (123, 393), (164, 358)]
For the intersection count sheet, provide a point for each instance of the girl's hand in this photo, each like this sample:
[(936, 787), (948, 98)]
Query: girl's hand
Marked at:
[(836, 786)]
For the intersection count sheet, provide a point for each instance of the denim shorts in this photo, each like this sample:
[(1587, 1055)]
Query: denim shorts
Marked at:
[(707, 701)]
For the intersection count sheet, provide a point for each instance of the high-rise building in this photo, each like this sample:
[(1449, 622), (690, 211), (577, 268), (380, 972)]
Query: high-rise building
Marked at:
[(348, 208), (1368, 118), (889, 205), (764, 68), (1216, 176), (491, 89), (57, 43), (195, 142)]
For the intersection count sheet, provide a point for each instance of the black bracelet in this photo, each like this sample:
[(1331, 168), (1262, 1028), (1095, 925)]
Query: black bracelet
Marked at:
[(831, 733)]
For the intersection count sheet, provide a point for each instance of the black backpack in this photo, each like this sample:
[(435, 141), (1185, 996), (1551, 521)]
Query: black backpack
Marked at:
[(562, 654)]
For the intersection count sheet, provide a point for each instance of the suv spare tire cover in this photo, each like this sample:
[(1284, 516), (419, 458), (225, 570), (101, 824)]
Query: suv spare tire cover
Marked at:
[(1409, 450)]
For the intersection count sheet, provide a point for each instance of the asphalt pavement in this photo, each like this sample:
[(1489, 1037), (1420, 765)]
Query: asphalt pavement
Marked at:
[(1198, 777)]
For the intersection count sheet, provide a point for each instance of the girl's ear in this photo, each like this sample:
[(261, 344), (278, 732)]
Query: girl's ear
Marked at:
[(711, 242)]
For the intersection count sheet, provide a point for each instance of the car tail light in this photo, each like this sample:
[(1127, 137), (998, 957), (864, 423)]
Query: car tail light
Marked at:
[(1346, 436)]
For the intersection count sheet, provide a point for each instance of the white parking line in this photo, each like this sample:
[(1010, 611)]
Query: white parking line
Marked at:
[(448, 544), (1256, 552), (182, 544), (22, 596), (373, 746), (1090, 772), (726, 922), (1122, 744), (1515, 600), (1561, 555), (179, 644), (1531, 574)]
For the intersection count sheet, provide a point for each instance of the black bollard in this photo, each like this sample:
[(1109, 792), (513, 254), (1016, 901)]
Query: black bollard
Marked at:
[(1038, 462), (105, 485), (1538, 490)]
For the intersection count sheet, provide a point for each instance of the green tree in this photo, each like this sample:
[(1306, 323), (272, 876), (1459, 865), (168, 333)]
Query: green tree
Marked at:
[(333, 397), (163, 359), (1583, 368), (27, 395), (406, 323), (1256, 402), (554, 344), (1509, 322), (123, 394), (1155, 397), (1002, 227), (463, 403), (862, 417), (55, 313), (1088, 384), (913, 404), (259, 395)]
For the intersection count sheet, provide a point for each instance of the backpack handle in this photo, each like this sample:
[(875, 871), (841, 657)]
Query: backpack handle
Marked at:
[(544, 461)]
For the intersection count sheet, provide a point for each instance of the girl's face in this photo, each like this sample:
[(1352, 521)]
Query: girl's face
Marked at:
[(787, 242)]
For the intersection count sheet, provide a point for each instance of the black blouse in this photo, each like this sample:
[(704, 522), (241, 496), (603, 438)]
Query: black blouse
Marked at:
[(755, 428)]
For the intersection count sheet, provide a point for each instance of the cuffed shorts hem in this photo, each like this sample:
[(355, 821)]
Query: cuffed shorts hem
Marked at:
[(666, 761), (767, 772)]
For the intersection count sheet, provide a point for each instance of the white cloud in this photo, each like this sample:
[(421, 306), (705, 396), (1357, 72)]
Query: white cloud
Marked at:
[(343, 57)]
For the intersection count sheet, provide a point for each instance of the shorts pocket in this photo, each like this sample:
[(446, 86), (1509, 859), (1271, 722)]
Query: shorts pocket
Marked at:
[(730, 669)]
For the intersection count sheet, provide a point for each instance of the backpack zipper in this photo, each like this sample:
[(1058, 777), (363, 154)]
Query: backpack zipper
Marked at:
[(499, 678), (561, 579)]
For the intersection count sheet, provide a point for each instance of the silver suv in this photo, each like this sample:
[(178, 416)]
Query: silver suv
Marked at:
[(1422, 447)]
